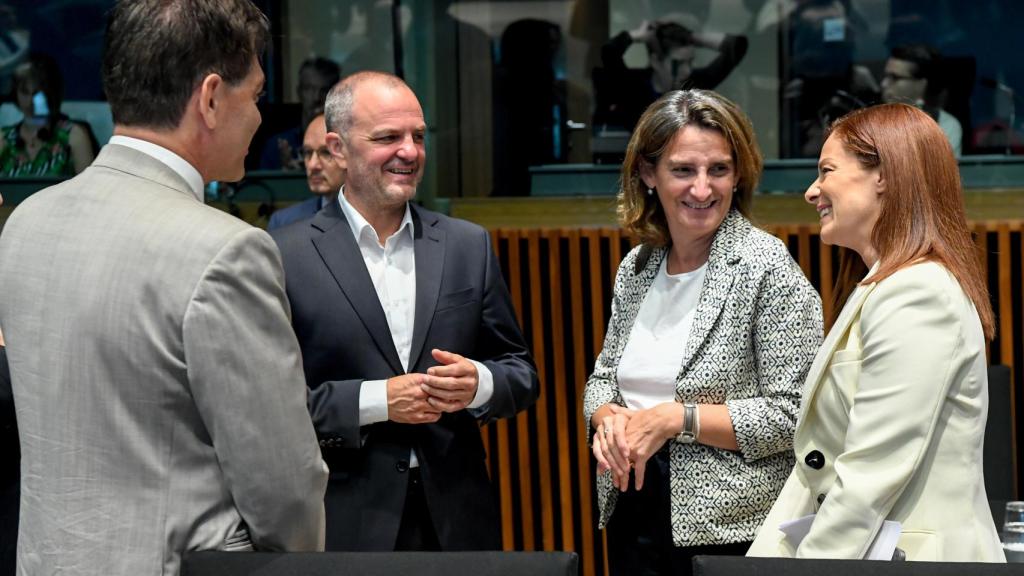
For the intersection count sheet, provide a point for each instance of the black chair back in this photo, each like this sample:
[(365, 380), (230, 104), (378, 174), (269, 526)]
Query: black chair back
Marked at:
[(999, 461)]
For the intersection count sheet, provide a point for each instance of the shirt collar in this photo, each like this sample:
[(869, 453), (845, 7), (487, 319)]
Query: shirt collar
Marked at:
[(359, 224), (176, 163)]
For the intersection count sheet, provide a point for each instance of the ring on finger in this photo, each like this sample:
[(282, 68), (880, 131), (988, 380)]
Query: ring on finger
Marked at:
[(607, 432)]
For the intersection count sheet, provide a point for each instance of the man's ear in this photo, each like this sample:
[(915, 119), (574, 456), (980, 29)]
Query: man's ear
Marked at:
[(211, 95), (337, 148)]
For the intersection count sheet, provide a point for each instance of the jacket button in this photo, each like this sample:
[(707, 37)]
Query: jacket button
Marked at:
[(402, 466), (821, 499), (815, 460)]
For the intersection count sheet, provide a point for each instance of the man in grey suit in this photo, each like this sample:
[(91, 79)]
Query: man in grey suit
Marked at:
[(157, 382), (408, 337)]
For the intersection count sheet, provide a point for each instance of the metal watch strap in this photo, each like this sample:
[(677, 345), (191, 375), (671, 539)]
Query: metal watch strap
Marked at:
[(691, 427)]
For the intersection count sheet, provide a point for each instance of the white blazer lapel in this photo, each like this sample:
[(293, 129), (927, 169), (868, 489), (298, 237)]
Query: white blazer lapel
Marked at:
[(835, 335)]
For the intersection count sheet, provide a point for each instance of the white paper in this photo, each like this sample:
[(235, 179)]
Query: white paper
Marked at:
[(882, 548)]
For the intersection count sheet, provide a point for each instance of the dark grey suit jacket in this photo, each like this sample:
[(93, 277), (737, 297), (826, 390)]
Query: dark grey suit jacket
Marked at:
[(463, 306), (294, 213)]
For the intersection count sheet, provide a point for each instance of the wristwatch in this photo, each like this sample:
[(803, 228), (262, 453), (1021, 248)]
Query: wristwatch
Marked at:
[(691, 425)]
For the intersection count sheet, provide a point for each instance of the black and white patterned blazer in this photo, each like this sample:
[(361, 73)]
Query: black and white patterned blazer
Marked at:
[(757, 327)]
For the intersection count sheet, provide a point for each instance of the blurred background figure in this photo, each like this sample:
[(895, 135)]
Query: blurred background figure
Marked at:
[(911, 77), (530, 104), (282, 151), (45, 142), (821, 79), (323, 174), (622, 93)]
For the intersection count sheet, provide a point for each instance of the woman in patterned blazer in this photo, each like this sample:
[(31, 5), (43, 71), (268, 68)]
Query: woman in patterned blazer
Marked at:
[(694, 397)]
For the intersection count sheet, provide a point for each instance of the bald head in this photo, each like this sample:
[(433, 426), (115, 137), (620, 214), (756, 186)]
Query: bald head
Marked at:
[(341, 99)]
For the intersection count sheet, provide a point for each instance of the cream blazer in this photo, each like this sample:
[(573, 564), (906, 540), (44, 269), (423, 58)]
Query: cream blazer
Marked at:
[(891, 427)]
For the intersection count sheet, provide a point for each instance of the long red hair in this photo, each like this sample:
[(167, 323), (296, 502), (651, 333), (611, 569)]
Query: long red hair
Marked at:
[(922, 213)]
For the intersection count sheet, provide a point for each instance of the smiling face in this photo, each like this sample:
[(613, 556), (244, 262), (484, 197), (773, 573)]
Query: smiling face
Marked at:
[(383, 151), (848, 198), (695, 180)]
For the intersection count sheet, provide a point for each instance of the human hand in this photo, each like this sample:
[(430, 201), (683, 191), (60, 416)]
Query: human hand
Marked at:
[(647, 431), (609, 446), (451, 386), (407, 402)]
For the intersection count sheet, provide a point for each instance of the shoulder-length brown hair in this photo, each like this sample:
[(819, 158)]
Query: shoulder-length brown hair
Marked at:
[(641, 214), (922, 210)]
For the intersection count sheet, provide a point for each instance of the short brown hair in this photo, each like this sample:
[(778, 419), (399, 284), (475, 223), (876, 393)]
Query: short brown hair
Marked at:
[(156, 52), (641, 214), (341, 98), (922, 210)]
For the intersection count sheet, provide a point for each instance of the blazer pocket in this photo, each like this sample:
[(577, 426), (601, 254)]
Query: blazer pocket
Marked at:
[(919, 545), (455, 299), (844, 376), (848, 355), (238, 542)]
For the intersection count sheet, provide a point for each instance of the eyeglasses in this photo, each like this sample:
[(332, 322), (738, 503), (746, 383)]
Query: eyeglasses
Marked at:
[(322, 153), (897, 77)]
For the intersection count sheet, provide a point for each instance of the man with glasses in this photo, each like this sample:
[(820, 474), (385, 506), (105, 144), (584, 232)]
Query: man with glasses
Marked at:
[(911, 77), (323, 174)]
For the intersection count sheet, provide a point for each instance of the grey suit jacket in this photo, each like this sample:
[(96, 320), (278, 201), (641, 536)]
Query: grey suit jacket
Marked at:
[(157, 383)]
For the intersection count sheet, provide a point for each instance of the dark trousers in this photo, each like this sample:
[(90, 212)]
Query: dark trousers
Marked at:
[(416, 532), (640, 530)]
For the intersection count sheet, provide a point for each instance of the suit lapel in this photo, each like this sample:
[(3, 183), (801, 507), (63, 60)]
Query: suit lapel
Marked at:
[(339, 251), (835, 336), (429, 242), (717, 285)]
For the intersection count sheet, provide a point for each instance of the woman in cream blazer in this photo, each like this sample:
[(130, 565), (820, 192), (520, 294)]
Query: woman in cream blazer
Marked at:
[(893, 411)]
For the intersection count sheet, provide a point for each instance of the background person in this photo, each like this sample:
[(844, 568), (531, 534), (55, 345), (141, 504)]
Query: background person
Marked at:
[(46, 142), (911, 76), (623, 93), (893, 416), (282, 151), (157, 382), (713, 328), (323, 175), (408, 335)]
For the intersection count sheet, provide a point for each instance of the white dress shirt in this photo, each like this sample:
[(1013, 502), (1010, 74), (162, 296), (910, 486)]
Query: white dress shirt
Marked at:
[(180, 166), (392, 268), (653, 356)]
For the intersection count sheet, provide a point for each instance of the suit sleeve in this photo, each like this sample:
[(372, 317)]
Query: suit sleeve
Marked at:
[(787, 329), (911, 337), (501, 347), (245, 374)]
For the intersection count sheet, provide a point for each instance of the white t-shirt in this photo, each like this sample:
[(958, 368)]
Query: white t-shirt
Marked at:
[(654, 353)]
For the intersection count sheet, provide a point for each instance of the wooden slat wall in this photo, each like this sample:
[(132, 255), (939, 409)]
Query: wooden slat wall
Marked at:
[(561, 282)]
